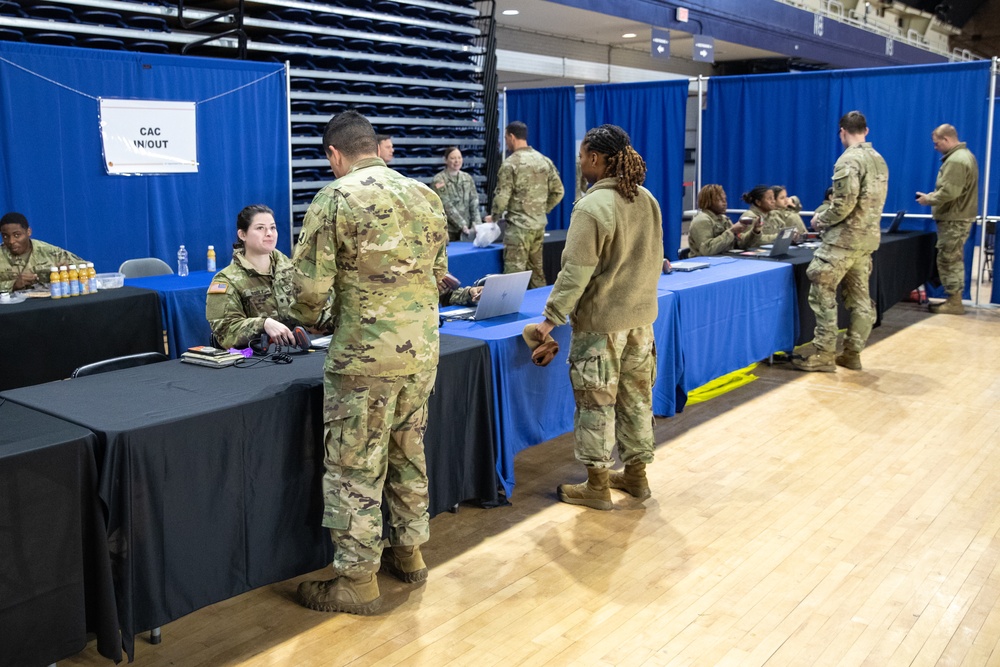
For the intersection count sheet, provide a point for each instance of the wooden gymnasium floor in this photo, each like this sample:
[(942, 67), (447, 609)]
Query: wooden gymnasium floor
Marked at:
[(804, 519)]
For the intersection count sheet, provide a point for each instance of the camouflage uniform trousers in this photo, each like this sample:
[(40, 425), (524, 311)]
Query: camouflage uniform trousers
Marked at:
[(374, 438), (951, 236), (832, 266), (612, 376), (522, 250)]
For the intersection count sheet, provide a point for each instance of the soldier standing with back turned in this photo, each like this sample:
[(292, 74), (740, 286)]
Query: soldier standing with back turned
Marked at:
[(851, 233), (369, 241), (528, 187)]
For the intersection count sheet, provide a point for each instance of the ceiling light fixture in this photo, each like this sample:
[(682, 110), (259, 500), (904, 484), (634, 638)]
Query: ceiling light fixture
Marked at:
[(510, 12), (629, 35)]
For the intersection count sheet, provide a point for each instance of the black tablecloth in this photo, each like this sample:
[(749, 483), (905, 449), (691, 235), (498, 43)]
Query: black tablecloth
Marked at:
[(903, 262), (212, 476), (49, 339), (55, 579), (552, 249)]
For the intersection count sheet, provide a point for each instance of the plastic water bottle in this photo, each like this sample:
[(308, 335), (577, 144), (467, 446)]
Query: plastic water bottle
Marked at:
[(55, 283), (211, 258), (182, 261)]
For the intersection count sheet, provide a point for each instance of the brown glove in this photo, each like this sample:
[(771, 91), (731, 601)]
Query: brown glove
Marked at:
[(542, 352)]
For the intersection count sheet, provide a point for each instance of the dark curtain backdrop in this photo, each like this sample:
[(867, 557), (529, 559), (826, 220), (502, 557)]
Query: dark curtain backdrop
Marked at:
[(782, 129), (550, 115), (654, 116), (50, 146)]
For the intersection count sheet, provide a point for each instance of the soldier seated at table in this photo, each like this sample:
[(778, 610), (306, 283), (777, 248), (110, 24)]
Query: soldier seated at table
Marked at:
[(784, 215), (712, 232), (24, 261), (253, 295), (451, 294)]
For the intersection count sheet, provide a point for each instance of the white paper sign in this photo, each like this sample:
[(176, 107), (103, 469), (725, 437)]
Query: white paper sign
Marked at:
[(149, 137)]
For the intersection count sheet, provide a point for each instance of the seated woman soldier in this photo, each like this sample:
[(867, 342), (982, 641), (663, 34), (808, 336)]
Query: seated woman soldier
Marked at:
[(253, 295)]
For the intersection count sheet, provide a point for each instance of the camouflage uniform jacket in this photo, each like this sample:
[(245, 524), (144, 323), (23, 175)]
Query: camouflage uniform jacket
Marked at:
[(956, 192), (779, 219), (860, 184), (750, 237), (240, 298), (459, 197), (39, 260), (611, 263), (710, 234), (528, 187), (374, 238)]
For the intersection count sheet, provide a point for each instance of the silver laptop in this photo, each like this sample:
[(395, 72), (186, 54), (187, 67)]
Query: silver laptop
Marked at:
[(502, 295), (781, 244), (688, 265)]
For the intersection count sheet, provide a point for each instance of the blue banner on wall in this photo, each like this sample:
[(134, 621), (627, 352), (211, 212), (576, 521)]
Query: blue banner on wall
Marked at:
[(50, 146)]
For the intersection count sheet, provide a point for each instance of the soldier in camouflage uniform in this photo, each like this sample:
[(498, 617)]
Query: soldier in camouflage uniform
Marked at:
[(528, 187), (607, 287), (458, 194), (784, 215), (252, 295), (953, 203), (371, 239), (25, 261), (850, 232), (712, 232), (761, 201)]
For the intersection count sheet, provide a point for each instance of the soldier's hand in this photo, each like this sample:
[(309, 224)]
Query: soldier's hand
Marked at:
[(475, 293), (922, 199), (543, 329), (25, 279), (278, 332), (738, 228)]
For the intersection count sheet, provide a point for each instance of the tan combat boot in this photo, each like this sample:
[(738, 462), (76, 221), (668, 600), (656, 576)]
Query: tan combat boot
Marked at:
[(594, 493), (405, 563), (632, 479), (849, 359), (821, 361), (351, 596), (951, 306)]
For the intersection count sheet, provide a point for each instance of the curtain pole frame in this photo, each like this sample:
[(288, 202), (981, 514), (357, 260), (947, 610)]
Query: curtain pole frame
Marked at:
[(981, 265), (503, 150), (288, 111), (701, 112)]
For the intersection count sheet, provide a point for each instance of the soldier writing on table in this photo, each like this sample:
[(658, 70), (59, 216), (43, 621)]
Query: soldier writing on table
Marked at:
[(370, 241), (850, 232)]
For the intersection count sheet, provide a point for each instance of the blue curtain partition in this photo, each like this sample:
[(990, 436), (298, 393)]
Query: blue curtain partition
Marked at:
[(53, 172), (782, 129), (654, 116), (549, 114)]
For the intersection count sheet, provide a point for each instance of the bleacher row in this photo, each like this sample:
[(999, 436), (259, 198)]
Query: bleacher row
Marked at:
[(413, 67)]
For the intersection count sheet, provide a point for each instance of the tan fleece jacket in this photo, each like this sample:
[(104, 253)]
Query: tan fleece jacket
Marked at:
[(611, 263)]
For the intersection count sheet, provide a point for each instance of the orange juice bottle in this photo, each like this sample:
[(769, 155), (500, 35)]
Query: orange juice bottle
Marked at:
[(74, 281), (64, 280), (92, 277), (55, 282), (84, 279)]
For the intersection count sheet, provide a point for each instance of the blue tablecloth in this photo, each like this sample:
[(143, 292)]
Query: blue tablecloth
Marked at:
[(732, 314), (535, 404), (469, 263), (182, 304)]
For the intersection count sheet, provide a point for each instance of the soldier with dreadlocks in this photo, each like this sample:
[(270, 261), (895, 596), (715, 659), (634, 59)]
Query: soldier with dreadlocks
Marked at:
[(607, 289)]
